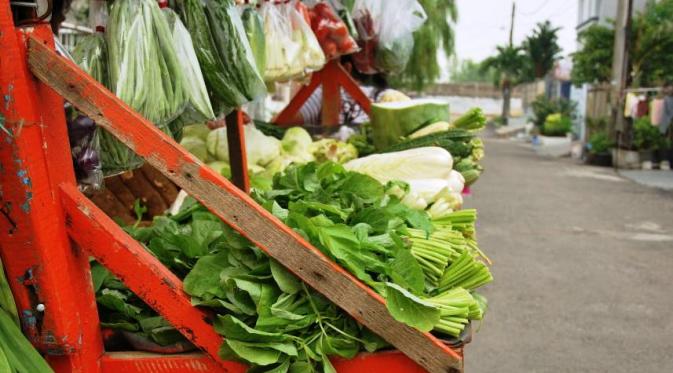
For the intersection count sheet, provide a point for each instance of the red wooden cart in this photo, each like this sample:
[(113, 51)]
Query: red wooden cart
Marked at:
[(48, 229)]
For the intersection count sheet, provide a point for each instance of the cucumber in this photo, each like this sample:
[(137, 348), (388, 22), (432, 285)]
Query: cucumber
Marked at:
[(456, 141)]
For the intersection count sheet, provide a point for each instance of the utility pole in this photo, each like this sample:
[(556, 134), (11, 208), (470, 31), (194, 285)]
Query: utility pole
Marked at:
[(511, 27), (506, 82), (620, 63)]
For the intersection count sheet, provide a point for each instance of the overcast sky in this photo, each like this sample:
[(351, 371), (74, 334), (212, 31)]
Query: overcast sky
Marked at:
[(483, 24)]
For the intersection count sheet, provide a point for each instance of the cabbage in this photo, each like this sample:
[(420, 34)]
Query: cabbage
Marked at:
[(195, 146), (221, 168), (196, 130), (333, 150), (419, 163), (296, 141), (261, 149)]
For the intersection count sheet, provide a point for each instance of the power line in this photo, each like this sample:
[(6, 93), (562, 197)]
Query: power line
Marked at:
[(536, 10)]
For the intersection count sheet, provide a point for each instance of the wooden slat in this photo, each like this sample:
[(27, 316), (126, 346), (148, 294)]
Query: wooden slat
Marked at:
[(287, 116), (141, 272), (238, 210), (238, 159)]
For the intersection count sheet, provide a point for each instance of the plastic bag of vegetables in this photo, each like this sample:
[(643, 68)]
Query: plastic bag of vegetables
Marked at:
[(312, 56), (283, 51), (224, 52), (91, 55), (386, 33), (114, 157), (144, 68), (254, 29), (199, 108), (331, 31)]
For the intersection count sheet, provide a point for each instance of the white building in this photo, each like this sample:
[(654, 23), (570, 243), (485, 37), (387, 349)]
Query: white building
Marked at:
[(601, 11)]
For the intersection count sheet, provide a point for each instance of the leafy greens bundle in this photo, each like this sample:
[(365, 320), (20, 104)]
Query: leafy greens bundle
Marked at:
[(269, 318)]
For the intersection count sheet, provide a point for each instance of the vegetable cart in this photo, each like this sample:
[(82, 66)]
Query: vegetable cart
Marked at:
[(49, 229)]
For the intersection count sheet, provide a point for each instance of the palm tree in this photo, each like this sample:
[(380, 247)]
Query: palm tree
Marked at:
[(509, 64), (542, 49), (436, 33)]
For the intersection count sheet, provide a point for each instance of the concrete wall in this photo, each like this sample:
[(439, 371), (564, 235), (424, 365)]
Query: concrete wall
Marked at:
[(485, 90)]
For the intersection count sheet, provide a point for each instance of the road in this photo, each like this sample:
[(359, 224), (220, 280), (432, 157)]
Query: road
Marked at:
[(583, 267)]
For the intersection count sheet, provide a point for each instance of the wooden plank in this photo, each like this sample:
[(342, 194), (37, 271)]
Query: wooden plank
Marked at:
[(331, 94), (238, 210), (238, 159), (353, 89), (137, 268)]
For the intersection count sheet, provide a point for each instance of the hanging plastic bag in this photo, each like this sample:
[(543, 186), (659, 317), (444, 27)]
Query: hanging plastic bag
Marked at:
[(144, 68), (311, 55), (85, 150), (91, 55), (199, 109), (331, 32), (224, 52), (254, 29), (283, 52), (386, 32)]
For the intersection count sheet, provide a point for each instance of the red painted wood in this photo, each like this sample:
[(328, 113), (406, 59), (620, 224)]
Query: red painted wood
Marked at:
[(130, 362), (41, 265), (332, 77), (287, 117), (113, 362), (103, 239), (331, 94), (353, 89), (237, 153)]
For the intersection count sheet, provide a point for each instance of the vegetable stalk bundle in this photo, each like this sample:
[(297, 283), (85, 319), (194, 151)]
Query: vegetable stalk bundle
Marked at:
[(144, 72)]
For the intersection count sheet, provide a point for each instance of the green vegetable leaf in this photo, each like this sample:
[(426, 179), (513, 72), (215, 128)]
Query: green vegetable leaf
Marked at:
[(204, 278), (286, 281), (233, 328), (409, 309), (406, 271)]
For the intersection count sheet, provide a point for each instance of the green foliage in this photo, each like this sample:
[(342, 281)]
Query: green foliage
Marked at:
[(543, 107), (436, 34), (557, 125), (645, 135), (651, 44), (649, 55), (542, 49), (600, 143), (593, 63), (468, 71), (509, 64)]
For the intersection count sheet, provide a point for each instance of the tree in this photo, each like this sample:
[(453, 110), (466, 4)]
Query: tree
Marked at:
[(468, 71), (509, 64), (436, 34), (593, 62), (650, 54), (542, 49), (651, 44)]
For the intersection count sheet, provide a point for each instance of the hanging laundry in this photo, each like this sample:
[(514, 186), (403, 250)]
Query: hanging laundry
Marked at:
[(630, 101), (657, 111), (668, 114), (642, 108)]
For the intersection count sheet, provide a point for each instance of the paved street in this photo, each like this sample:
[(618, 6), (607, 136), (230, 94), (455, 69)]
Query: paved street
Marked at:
[(583, 266)]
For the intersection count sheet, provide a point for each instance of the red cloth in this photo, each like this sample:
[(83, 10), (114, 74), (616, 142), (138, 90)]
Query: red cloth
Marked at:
[(642, 109)]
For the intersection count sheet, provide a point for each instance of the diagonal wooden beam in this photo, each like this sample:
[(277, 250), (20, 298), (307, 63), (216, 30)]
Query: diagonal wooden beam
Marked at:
[(127, 259), (238, 209)]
